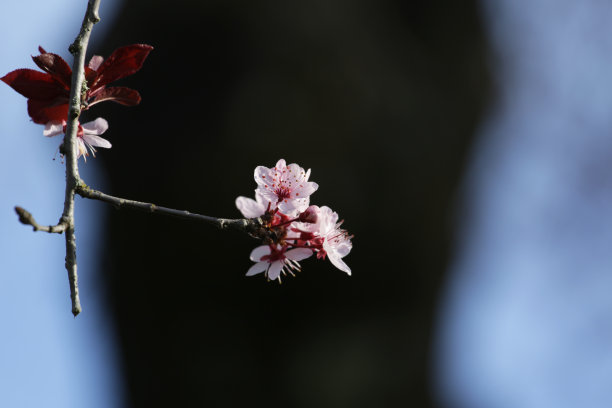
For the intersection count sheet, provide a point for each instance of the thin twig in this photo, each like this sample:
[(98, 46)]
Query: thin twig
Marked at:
[(251, 226), (28, 219)]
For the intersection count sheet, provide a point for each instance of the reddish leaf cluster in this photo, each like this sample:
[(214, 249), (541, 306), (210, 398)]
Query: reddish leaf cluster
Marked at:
[(48, 92)]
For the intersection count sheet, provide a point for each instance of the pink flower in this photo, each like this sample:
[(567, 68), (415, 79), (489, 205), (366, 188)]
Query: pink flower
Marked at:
[(325, 237), (88, 135), (336, 242), (290, 228), (287, 187), (275, 260)]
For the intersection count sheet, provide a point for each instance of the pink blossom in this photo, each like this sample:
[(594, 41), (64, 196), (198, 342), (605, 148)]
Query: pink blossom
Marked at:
[(87, 135), (290, 228), (275, 260), (285, 186), (337, 243), (325, 236)]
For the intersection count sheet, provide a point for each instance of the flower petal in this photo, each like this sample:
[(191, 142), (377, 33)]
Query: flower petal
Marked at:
[(298, 254), (259, 267), (306, 188), (339, 263), (275, 268), (262, 176), (292, 207), (343, 248), (281, 164), (259, 252), (249, 207), (95, 62), (96, 141), (96, 127), (53, 128)]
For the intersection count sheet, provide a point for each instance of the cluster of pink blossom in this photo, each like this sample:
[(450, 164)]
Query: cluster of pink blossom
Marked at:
[(294, 229), (48, 92)]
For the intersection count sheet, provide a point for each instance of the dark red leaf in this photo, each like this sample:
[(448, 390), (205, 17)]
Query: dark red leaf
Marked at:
[(90, 75), (35, 85), (41, 112), (124, 96), (122, 62), (56, 66)]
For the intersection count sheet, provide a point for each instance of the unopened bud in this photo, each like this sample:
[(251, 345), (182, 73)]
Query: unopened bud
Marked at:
[(310, 215), (306, 236)]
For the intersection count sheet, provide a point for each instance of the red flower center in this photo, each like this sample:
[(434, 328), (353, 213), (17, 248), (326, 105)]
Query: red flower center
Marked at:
[(282, 192)]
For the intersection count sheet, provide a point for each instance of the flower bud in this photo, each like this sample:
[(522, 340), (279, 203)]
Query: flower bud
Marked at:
[(310, 215)]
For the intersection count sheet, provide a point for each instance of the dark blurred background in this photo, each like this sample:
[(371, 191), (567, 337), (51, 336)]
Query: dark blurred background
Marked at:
[(380, 99)]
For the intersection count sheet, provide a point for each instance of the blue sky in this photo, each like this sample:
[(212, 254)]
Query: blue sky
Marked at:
[(47, 357)]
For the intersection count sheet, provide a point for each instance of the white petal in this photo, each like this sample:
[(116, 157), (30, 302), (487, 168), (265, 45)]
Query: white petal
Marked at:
[(249, 207), (259, 267), (307, 189), (275, 269), (298, 254), (295, 171), (258, 252), (95, 62), (262, 176), (269, 196), (53, 128), (96, 141), (261, 199), (287, 207), (97, 127), (281, 164), (343, 248), (327, 220), (339, 263), (301, 204)]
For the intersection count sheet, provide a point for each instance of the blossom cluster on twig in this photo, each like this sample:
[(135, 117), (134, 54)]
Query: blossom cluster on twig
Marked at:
[(280, 215), (292, 229)]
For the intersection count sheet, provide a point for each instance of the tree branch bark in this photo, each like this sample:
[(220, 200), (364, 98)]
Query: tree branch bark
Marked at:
[(28, 219), (78, 50), (252, 226)]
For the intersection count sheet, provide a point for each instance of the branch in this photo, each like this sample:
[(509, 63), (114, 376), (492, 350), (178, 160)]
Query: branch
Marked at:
[(252, 226), (28, 219), (69, 148), (78, 49)]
